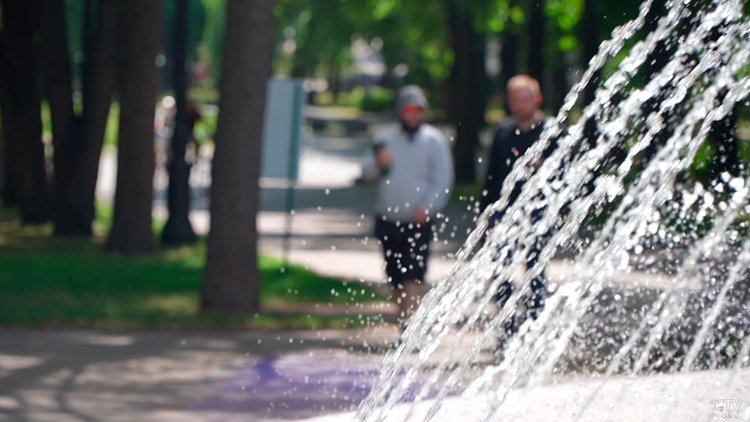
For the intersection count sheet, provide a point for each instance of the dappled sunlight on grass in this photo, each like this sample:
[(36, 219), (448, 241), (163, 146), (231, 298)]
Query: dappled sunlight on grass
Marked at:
[(174, 304), (50, 282)]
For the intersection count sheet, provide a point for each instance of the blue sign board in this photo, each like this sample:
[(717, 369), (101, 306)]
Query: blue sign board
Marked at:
[(283, 129)]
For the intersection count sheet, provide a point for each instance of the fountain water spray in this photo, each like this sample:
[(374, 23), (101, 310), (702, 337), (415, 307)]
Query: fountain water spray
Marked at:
[(673, 113)]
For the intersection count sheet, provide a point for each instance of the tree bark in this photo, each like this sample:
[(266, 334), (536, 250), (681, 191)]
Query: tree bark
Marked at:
[(559, 86), (178, 229), (24, 125), (467, 92), (660, 56), (59, 92), (7, 191), (723, 132), (537, 29), (655, 63), (139, 40), (232, 280), (91, 20), (590, 36), (78, 208), (3, 162), (508, 59)]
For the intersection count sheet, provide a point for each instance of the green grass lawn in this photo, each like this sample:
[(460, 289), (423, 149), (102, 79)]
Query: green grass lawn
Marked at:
[(49, 282)]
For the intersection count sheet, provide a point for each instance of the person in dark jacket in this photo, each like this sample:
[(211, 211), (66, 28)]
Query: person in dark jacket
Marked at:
[(513, 138)]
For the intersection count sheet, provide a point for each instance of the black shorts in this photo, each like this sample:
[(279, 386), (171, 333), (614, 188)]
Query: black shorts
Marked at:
[(406, 248)]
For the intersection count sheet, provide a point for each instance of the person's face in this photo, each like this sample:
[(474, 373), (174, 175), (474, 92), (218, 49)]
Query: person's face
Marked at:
[(413, 116), (523, 103)]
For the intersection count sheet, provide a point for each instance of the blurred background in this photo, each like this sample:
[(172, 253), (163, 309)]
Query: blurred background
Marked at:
[(104, 225)]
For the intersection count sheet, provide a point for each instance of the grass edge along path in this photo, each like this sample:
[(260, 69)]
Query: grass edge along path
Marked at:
[(50, 282)]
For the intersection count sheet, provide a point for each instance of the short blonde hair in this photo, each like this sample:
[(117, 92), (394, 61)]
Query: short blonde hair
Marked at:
[(524, 81)]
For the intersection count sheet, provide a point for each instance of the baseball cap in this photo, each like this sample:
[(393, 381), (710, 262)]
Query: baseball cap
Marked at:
[(411, 95)]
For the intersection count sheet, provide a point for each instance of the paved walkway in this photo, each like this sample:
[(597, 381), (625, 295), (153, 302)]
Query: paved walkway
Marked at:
[(259, 376), (168, 376), (331, 227)]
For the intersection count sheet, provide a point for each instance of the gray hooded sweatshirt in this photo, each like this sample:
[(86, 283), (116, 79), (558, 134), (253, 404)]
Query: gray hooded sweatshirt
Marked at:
[(420, 175)]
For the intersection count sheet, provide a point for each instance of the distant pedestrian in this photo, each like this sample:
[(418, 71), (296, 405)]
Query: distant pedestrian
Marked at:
[(513, 138), (414, 169)]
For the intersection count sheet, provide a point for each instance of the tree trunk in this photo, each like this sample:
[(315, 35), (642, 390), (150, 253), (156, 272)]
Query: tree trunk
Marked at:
[(178, 229), (660, 56), (467, 92), (59, 92), (91, 20), (3, 161), (559, 86), (24, 135), (139, 41), (232, 280), (537, 29), (590, 36), (509, 59), (335, 82), (656, 61), (7, 191), (78, 208)]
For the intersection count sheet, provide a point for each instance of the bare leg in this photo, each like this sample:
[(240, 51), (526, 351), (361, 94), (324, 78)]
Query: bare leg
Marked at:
[(408, 296)]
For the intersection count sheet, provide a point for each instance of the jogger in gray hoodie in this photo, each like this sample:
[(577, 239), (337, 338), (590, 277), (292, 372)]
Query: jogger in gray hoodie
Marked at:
[(414, 169)]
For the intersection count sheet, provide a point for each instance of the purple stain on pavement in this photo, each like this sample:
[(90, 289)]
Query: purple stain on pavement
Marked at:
[(297, 386)]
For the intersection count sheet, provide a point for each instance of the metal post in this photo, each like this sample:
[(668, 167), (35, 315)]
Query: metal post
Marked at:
[(292, 171)]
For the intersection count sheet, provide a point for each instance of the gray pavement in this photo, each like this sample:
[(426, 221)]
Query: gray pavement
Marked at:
[(258, 376), (331, 226), (185, 376)]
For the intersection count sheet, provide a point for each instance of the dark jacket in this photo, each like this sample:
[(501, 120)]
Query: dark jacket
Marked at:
[(508, 145)]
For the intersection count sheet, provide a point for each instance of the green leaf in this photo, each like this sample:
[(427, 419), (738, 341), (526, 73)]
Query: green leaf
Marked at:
[(567, 43), (517, 15)]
